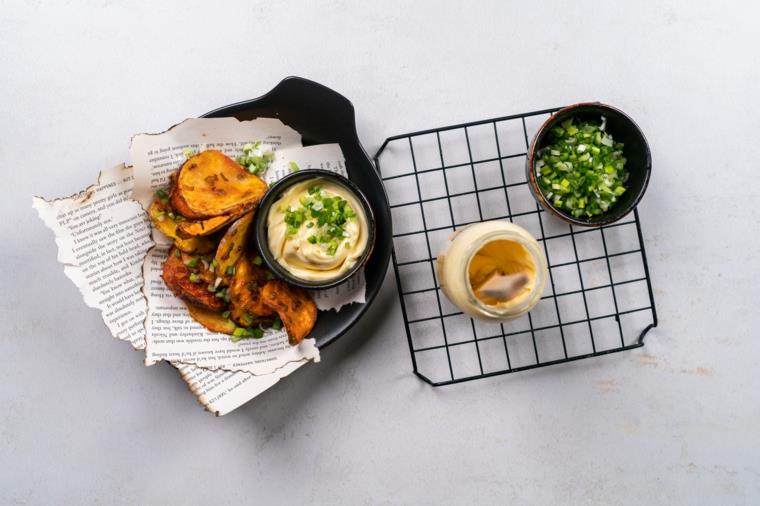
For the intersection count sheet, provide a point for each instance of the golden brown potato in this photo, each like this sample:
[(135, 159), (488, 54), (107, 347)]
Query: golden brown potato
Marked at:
[(212, 320), (212, 184), (245, 292), (200, 228), (294, 306), (159, 216), (177, 276), (232, 245)]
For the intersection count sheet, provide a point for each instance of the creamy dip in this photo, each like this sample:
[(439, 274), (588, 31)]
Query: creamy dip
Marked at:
[(317, 230)]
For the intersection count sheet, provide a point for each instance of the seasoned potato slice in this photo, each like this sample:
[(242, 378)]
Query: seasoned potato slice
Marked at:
[(159, 216), (295, 307), (212, 184), (212, 320), (245, 292), (192, 289), (232, 245), (187, 229)]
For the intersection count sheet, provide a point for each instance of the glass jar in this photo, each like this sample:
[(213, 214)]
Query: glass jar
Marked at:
[(506, 244)]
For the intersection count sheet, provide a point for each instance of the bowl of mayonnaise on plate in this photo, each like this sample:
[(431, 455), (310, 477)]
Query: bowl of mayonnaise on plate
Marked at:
[(315, 229)]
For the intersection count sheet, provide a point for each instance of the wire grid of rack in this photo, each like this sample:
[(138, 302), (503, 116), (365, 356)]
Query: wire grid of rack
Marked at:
[(599, 297)]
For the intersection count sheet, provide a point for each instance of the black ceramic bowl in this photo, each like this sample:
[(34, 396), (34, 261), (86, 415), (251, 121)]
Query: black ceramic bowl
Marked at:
[(636, 151), (321, 116), (273, 196)]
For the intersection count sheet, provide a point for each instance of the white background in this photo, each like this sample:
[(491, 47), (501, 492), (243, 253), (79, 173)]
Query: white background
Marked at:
[(83, 421)]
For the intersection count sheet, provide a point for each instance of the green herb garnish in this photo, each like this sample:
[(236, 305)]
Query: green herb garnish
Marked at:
[(243, 333), (582, 169), (294, 167), (254, 159), (162, 196), (328, 214), (194, 278)]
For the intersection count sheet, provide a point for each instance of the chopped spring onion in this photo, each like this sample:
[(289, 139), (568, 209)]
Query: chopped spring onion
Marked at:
[(582, 169), (162, 196), (255, 159)]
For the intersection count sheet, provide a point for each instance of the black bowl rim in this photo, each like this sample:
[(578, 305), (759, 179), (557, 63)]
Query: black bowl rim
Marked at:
[(270, 198), (610, 216)]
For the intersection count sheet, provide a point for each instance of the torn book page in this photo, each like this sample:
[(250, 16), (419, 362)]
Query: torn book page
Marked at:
[(87, 218), (102, 236)]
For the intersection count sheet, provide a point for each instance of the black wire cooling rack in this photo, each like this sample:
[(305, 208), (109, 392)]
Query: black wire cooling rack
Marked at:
[(599, 299)]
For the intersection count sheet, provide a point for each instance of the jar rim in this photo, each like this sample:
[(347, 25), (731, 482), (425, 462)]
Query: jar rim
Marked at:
[(535, 255)]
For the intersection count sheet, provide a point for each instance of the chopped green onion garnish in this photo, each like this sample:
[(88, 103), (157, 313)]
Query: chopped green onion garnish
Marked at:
[(327, 213), (257, 260), (230, 270), (254, 159), (277, 324), (162, 196), (294, 166), (194, 278), (582, 169), (226, 314)]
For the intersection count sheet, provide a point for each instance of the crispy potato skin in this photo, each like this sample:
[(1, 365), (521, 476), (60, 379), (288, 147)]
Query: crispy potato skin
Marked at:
[(212, 320), (295, 307), (232, 245), (212, 184), (245, 292), (201, 228), (211, 191), (168, 227), (176, 275)]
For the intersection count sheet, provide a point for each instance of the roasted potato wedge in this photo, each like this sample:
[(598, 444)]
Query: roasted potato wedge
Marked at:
[(177, 276), (232, 245), (159, 216), (212, 320), (294, 306), (212, 184), (200, 228), (245, 292), (203, 270)]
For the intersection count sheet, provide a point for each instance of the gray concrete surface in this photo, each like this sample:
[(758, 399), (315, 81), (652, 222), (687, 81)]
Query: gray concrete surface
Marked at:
[(84, 422)]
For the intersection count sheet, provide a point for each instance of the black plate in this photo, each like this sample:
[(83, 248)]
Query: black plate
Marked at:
[(322, 116)]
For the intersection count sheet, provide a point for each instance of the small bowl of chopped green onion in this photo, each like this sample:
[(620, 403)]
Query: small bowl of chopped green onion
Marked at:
[(314, 229), (589, 164)]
